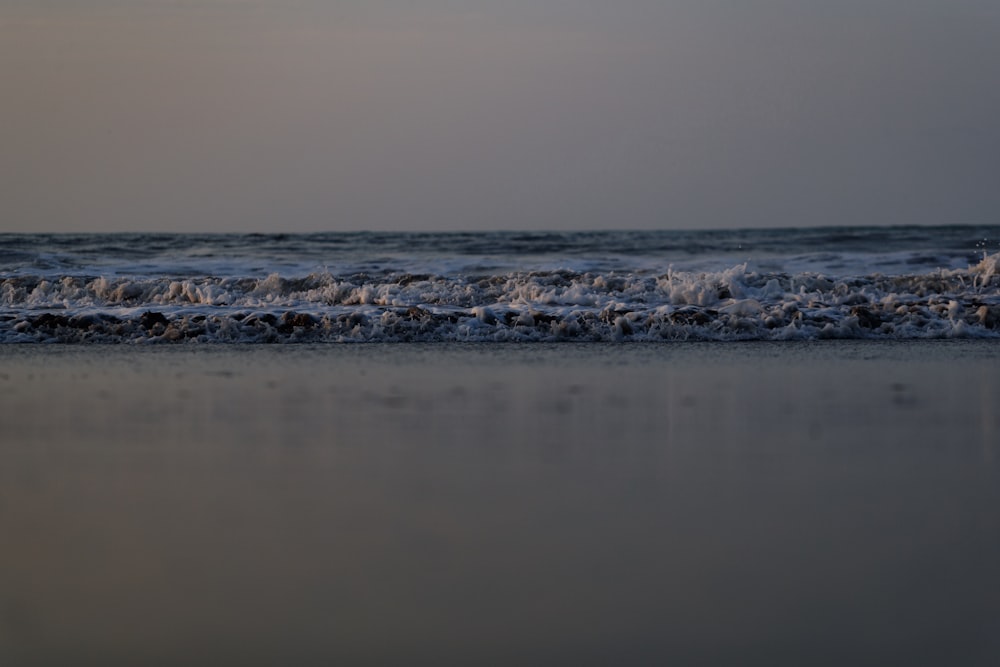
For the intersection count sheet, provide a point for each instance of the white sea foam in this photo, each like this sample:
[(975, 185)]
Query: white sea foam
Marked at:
[(735, 303)]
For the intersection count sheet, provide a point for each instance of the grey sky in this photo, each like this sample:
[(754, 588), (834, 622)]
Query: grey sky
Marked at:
[(299, 115)]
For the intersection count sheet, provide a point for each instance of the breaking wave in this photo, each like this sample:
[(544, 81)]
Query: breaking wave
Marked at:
[(738, 303)]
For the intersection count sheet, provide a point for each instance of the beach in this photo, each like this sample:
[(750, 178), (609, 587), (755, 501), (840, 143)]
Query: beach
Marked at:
[(815, 502), (499, 333)]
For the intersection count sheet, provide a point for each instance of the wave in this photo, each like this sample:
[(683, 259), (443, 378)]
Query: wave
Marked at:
[(734, 304)]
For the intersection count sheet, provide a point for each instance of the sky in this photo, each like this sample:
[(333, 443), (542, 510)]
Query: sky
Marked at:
[(330, 115)]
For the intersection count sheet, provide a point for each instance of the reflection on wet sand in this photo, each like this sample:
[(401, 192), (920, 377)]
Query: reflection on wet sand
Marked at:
[(781, 504)]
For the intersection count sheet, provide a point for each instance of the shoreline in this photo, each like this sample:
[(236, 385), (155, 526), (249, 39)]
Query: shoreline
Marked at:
[(797, 503)]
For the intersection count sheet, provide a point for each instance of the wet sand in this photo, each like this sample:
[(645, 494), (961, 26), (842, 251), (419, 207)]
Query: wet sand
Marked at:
[(817, 503)]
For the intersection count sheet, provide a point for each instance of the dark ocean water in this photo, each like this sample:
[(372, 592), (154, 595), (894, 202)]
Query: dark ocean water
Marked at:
[(777, 284)]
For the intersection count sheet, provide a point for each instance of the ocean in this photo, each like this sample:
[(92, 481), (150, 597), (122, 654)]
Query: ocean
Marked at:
[(899, 283), (761, 447)]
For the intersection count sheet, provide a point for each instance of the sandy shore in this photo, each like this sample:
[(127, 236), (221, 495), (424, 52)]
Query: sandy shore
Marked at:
[(825, 503)]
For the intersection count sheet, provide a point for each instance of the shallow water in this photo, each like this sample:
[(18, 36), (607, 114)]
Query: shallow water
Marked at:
[(826, 502)]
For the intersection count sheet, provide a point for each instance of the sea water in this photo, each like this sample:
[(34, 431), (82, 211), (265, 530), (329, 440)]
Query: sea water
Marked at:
[(781, 284), (810, 479)]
